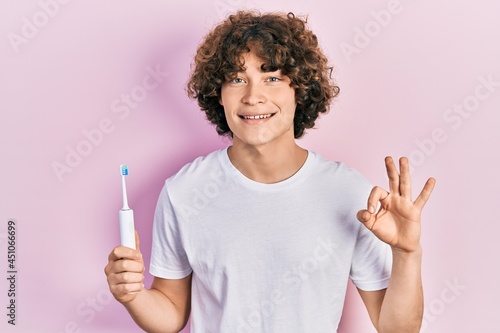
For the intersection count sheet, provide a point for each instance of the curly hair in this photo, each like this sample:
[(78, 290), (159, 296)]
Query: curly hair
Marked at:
[(283, 42)]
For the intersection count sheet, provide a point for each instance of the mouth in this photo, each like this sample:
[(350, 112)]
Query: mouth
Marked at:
[(257, 117)]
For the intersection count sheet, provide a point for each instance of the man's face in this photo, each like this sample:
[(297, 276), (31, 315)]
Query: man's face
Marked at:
[(259, 106)]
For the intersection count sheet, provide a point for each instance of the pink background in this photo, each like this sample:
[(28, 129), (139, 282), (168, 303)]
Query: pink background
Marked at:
[(400, 75)]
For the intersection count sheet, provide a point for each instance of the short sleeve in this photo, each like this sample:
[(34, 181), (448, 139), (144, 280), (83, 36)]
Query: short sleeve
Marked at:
[(168, 257), (371, 262)]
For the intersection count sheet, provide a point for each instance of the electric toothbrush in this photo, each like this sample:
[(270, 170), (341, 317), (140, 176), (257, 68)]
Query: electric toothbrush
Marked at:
[(127, 230)]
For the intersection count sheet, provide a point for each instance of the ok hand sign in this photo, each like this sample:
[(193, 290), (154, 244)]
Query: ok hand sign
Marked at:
[(397, 222)]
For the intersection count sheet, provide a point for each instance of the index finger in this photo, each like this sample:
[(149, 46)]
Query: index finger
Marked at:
[(123, 252)]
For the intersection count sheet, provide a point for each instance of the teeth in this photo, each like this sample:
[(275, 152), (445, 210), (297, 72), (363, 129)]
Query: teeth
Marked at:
[(260, 116)]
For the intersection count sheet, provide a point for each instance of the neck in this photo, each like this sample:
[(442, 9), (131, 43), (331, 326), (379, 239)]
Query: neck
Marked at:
[(267, 163)]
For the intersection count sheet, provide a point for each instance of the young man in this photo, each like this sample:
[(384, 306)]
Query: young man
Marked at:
[(262, 236)]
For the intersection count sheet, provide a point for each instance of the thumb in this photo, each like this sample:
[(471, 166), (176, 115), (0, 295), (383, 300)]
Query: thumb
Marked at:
[(365, 217), (137, 241)]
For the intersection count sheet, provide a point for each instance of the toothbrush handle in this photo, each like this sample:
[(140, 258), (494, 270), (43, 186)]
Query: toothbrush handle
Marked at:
[(127, 230)]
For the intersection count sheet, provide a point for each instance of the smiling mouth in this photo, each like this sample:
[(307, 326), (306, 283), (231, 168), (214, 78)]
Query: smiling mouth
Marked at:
[(259, 116)]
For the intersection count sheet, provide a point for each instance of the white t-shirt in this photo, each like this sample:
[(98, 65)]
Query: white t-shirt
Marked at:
[(266, 257)]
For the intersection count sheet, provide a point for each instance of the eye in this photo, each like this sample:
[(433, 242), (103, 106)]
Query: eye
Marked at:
[(236, 80), (273, 79)]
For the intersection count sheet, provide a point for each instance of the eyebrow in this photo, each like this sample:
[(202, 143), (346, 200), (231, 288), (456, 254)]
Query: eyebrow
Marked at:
[(244, 69)]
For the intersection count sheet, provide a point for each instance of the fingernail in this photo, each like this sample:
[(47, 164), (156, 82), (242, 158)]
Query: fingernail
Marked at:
[(371, 209)]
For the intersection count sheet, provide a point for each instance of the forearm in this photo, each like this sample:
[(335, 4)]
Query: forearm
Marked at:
[(402, 307), (155, 313)]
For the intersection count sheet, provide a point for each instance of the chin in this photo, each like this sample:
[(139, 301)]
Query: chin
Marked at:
[(261, 139)]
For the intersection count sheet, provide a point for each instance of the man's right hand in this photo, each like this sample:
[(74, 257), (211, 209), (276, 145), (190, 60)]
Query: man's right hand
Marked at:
[(125, 272)]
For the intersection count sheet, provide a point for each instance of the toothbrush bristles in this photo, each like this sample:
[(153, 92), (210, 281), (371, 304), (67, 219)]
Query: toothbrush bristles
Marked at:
[(124, 170)]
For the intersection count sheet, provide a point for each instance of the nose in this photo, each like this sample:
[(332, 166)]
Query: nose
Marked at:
[(254, 94)]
